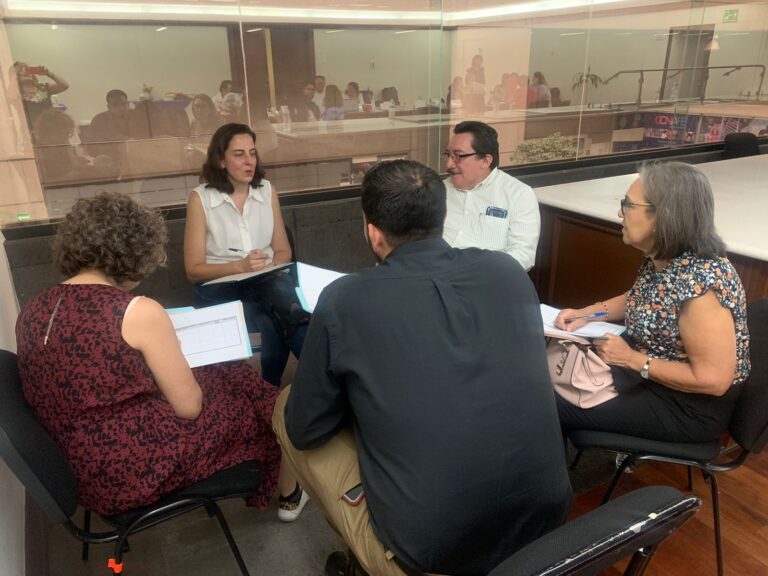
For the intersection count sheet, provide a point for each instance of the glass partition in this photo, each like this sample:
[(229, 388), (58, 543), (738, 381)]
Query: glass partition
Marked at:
[(125, 95)]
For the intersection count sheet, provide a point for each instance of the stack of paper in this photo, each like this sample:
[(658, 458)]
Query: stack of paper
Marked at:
[(589, 330)]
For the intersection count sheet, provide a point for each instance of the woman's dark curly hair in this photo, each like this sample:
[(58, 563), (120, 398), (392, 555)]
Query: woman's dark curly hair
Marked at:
[(113, 234), (212, 173)]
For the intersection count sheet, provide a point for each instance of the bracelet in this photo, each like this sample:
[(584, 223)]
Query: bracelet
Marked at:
[(604, 306)]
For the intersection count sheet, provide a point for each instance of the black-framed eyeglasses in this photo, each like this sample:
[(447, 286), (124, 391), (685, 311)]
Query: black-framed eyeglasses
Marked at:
[(625, 203), (457, 156)]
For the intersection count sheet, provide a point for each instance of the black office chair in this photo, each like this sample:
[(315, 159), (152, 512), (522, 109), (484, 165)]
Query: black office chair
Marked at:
[(748, 427), (40, 465), (632, 525), (740, 144)]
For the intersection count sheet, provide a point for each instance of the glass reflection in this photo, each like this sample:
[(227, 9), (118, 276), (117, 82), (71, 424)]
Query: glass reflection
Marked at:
[(331, 90)]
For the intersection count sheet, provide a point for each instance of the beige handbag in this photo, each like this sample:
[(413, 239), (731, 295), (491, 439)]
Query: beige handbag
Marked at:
[(578, 374)]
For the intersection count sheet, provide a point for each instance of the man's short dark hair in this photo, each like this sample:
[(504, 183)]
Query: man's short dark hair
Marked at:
[(405, 200), (114, 94), (225, 83), (485, 140)]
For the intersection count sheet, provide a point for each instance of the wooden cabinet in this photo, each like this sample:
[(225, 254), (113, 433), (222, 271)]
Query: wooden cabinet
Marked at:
[(582, 260)]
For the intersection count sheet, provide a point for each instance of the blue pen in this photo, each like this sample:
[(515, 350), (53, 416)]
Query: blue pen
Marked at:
[(595, 315)]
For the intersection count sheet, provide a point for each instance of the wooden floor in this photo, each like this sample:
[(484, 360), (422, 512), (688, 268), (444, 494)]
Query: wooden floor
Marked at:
[(691, 550)]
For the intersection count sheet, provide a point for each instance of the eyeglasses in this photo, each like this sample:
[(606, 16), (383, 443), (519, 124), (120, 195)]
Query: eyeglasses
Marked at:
[(625, 203), (457, 156)]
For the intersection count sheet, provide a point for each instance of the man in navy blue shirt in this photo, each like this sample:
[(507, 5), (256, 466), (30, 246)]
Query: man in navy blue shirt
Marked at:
[(422, 420)]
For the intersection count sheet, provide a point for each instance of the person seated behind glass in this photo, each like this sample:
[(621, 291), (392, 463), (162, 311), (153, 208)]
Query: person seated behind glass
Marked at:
[(389, 98), (686, 352), (231, 108), (539, 95), (225, 87), (205, 121), (108, 130), (58, 160), (333, 103), (234, 225), (353, 93), (104, 372), (303, 108)]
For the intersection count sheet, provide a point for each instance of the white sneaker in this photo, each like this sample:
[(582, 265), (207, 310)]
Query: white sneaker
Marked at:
[(288, 510)]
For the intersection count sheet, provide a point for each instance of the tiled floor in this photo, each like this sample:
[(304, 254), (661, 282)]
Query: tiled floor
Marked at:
[(193, 544)]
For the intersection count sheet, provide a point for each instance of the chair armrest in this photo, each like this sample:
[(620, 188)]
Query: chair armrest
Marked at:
[(600, 538)]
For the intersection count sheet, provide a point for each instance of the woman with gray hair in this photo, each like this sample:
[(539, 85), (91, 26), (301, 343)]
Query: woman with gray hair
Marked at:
[(686, 349)]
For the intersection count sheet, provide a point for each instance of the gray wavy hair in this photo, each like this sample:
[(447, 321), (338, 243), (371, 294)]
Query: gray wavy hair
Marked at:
[(685, 210)]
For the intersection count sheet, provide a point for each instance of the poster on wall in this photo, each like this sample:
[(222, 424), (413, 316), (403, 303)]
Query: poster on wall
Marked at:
[(662, 129), (716, 128)]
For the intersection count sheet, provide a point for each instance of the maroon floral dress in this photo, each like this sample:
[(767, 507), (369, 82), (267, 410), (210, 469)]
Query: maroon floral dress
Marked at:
[(96, 396)]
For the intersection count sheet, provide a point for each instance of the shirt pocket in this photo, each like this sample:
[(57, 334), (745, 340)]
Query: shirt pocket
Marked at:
[(492, 232)]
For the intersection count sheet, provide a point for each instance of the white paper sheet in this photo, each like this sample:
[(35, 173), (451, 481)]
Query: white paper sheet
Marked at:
[(312, 280), (589, 330), (214, 334)]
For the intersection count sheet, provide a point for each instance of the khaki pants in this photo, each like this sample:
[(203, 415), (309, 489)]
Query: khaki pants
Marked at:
[(326, 473)]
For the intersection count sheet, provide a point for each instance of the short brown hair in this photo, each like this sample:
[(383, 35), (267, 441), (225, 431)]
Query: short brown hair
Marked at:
[(113, 234)]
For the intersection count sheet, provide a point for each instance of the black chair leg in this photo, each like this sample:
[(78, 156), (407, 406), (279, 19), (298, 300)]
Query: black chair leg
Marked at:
[(230, 539), (716, 514), (640, 561), (86, 528), (626, 463), (576, 459)]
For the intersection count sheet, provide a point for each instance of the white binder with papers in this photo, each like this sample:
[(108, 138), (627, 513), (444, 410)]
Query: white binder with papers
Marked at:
[(213, 334)]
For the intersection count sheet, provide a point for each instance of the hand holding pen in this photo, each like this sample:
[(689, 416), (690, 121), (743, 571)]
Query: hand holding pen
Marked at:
[(569, 319), (252, 261)]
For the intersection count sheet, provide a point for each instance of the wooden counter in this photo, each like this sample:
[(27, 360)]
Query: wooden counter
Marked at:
[(581, 255)]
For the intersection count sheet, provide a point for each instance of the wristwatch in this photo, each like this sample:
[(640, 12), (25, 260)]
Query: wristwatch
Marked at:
[(645, 368)]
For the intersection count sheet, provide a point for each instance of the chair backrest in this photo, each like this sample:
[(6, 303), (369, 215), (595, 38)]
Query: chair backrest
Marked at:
[(597, 540), (29, 451), (740, 144), (749, 422)]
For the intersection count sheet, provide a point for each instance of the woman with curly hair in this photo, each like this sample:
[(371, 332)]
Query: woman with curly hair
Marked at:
[(104, 372)]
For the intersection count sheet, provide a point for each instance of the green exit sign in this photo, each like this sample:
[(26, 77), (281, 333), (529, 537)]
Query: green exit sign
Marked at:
[(730, 16)]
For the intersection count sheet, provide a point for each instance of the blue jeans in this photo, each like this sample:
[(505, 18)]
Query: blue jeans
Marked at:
[(275, 344)]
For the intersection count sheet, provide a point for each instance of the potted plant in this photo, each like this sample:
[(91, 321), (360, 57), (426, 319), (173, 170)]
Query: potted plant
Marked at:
[(582, 81), (552, 147)]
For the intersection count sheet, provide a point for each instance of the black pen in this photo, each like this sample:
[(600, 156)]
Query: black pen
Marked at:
[(235, 250)]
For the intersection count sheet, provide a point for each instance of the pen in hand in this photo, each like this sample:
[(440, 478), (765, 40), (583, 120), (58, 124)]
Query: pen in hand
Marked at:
[(595, 315)]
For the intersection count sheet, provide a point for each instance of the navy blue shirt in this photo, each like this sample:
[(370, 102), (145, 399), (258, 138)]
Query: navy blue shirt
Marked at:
[(437, 359)]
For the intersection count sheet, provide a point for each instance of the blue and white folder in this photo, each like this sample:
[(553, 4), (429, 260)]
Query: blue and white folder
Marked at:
[(311, 282), (213, 334)]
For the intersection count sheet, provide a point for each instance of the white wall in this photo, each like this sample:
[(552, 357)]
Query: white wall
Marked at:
[(504, 50), (410, 62), (94, 58), (608, 43)]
